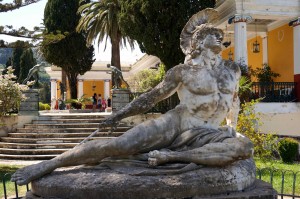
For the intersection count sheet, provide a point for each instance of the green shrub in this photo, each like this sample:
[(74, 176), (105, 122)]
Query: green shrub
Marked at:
[(43, 106), (248, 124), (146, 79), (288, 149)]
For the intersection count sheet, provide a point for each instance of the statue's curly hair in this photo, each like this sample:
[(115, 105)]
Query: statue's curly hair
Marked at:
[(198, 24)]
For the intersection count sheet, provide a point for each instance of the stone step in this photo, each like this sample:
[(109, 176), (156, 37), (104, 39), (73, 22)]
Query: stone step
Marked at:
[(27, 157), (32, 151), (62, 135), (72, 125), (50, 140), (71, 116), (77, 125), (49, 136), (66, 130), (37, 146), (64, 121)]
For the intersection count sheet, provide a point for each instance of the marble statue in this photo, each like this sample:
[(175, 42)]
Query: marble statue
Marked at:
[(207, 87), (118, 77), (33, 72)]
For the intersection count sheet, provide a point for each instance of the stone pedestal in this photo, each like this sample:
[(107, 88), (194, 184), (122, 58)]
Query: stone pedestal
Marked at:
[(235, 181), (31, 104), (120, 98), (260, 190)]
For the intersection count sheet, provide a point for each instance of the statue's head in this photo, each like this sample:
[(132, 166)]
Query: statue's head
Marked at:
[(199, 34), (206, 37)]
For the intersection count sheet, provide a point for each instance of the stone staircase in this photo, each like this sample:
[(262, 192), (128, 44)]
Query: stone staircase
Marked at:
[(51, 135)]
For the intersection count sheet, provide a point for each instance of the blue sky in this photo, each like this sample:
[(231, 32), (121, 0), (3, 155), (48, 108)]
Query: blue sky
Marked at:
[(32, 15)]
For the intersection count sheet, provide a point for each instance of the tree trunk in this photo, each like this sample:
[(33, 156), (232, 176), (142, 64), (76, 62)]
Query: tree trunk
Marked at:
[(115, 56), (64, 83), (73, 85)]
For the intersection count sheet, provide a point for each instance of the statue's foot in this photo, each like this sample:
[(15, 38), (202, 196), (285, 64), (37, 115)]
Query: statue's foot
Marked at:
[(27, 174), (157, 158)]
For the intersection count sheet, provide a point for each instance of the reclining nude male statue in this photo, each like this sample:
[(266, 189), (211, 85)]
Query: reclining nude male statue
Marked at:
[(207, 87)]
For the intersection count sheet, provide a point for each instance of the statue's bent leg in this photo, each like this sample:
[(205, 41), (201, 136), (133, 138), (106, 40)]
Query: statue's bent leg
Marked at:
[(150, 135), (212, 154)]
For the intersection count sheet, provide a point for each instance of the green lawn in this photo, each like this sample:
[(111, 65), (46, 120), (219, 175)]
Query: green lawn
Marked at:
[(10, 187), (280, 175)]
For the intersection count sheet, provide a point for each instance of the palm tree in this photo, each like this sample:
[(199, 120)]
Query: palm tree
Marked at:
[(100, 21)]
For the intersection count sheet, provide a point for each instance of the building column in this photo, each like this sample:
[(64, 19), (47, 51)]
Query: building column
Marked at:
[(106, 88), (240, 37), (80, 88), (296, 30), (265, 48), (53, 93)]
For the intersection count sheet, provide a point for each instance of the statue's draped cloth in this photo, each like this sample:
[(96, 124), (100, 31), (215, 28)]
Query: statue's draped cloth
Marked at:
[(188, 140)]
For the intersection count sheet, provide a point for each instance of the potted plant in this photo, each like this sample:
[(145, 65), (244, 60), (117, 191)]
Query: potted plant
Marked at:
[(79, 103), (264, 74)]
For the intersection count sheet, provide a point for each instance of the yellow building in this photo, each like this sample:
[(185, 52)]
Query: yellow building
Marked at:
[(98, 79)]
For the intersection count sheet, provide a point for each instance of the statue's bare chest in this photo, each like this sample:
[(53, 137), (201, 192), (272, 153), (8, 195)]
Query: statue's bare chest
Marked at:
[(205, 81)]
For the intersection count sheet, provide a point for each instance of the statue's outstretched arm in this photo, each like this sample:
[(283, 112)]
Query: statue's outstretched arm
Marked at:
[(147, 100)]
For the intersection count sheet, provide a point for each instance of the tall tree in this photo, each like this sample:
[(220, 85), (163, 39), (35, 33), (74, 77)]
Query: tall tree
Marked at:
[(70, 53), (16, 58), (8, 62), (157, 24), (101, 21), (27, 61)]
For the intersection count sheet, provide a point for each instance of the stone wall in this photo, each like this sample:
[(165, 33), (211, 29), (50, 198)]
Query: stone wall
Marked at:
[(8, 124), (280, 118)]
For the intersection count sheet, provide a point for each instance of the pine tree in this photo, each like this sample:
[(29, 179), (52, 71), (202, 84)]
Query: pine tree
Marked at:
[(156, 25), (17, 53)]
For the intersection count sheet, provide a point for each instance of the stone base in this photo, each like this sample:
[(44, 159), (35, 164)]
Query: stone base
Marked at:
[(120, 98), (260, 190), (134, 182), (31, 104)]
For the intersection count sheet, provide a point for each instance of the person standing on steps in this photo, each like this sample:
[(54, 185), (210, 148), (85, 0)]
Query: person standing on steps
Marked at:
[(94, 102), (108, 102), (103, 101), (99, 102)]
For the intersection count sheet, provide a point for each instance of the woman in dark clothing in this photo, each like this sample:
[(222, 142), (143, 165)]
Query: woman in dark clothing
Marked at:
[(94, 101)]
